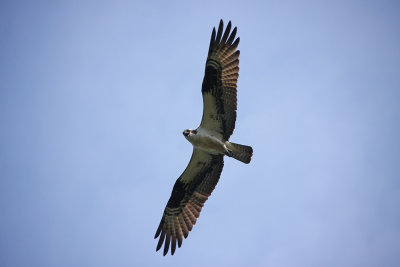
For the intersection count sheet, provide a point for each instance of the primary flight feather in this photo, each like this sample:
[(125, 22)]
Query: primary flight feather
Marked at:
[(210, 141)]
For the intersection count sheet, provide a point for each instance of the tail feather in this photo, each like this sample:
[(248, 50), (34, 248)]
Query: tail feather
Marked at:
[(240, 152)]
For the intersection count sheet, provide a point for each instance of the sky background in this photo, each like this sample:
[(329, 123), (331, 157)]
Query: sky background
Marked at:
[(94, 98)]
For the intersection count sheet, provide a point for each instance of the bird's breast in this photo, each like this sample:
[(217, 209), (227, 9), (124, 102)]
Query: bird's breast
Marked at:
[(208, 143)]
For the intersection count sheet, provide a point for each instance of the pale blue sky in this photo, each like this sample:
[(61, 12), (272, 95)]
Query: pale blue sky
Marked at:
[(94, 98)]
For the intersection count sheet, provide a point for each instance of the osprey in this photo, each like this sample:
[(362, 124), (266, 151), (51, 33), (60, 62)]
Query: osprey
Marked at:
[(210, 141)]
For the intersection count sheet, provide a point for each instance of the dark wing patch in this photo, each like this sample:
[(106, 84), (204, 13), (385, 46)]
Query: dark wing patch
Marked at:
[(188, 196), (220, 82)]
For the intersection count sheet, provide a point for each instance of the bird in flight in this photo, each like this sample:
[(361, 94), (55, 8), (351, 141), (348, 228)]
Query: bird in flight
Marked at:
[(210, 141)]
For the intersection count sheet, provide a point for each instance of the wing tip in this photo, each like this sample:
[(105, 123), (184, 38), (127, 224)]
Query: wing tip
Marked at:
[(167, 242), (219, 32), (221, 38), (160, 241)]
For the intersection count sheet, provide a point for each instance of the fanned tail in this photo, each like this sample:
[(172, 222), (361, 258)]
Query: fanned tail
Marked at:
[(240, 152)]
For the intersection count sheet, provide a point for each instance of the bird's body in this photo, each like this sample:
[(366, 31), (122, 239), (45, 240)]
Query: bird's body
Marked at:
[(207, 141), (210, 141)]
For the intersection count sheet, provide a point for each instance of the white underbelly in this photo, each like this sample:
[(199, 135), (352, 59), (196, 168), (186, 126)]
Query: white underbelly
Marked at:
[(208, 143)]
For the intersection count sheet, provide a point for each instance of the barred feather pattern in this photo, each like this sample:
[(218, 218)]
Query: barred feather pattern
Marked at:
[(200, 177), (219, 87), (188, 196)]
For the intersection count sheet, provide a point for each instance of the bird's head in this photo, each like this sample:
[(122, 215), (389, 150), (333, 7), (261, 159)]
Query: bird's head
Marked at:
[(189, 132)]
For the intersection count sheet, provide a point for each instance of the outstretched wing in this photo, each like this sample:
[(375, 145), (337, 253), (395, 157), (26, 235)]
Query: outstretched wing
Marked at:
[(190, 192), (220, 82)]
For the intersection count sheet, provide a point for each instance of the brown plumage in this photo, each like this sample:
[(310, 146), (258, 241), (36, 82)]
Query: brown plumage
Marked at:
[(187, 199), (220, 81), (195, 185)]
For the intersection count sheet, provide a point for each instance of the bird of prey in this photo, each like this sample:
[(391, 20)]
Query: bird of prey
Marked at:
[(210, 141)]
